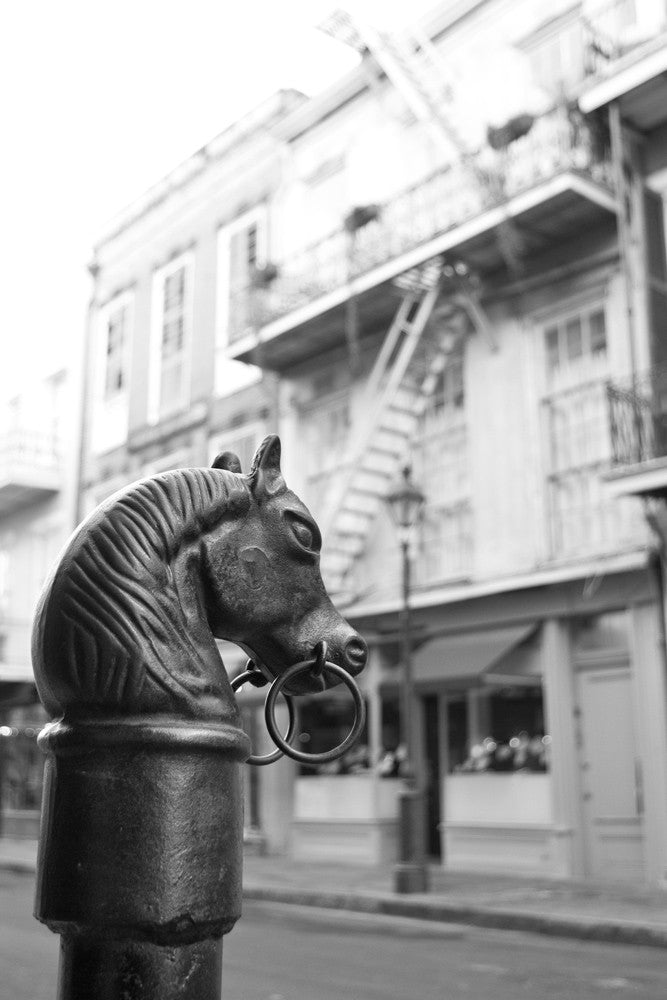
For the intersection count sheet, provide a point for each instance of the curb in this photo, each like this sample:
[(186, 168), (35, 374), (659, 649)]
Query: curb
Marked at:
[(386, 904), (607, 931)]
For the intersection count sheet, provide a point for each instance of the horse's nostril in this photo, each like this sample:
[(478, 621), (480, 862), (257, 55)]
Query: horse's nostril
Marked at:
[(356, 654)]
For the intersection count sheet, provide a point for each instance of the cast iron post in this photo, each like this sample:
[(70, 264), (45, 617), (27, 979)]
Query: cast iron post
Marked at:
[(405, 502), (140, 856)]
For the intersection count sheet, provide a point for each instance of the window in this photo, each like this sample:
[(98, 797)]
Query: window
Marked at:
[(173, 340), (242, 441), (449, 390), (327, 427), (441, 468), (242, 253), (584, 519), (117, 332), (241, 258), (179, 459), (575, 340), (112, 345), (171, 336), (556, 53)]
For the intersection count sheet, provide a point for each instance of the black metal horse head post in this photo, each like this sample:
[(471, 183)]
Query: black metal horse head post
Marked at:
[(141, 841)]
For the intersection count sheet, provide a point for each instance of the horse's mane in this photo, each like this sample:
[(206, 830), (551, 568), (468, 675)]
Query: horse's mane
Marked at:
[(114, 631)]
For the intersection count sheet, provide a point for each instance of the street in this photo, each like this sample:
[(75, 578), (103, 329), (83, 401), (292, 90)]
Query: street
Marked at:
[(297, 953)]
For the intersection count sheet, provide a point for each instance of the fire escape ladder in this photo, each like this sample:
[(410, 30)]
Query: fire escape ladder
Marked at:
[(404, 375)]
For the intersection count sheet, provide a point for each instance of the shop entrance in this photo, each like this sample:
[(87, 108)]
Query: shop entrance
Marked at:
[(611, 783)]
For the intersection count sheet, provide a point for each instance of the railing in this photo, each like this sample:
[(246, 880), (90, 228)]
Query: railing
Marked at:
[(609, 31), (638, 417), (583, 518), (444, 200), (26, 452)]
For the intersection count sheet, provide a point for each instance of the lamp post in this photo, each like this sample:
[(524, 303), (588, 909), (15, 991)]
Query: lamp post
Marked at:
[(405, 503)]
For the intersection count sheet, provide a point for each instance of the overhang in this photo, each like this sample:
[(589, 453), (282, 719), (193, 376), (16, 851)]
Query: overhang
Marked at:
[(468, 656), (638, 82), (645, 479), (551, 210)]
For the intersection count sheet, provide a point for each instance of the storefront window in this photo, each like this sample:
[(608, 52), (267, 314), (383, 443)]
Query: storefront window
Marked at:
[(324, 722), (504, 732)]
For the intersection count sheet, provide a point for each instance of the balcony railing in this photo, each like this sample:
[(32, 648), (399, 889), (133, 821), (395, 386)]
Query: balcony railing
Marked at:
[(28, 450), (583, 518), (29, 466), (638, 418), (441, 202), (612, 29)]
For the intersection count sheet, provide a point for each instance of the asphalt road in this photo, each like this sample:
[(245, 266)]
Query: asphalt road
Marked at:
[(298, 953)]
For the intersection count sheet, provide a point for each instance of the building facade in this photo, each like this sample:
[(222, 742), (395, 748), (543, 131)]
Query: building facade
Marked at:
[(405, 269), (38, 452)]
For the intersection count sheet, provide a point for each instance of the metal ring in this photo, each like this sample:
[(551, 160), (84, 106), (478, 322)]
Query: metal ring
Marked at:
[(327, 755), (260, 760), (320, 654)]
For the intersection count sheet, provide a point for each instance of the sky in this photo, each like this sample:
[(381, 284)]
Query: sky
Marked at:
[(101, 100)]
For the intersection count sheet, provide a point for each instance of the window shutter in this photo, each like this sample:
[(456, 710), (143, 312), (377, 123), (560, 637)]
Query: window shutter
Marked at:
[(174, 341), (656, 267)]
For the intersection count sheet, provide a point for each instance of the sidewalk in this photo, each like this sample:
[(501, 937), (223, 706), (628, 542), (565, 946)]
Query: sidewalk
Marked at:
[(588, 911)]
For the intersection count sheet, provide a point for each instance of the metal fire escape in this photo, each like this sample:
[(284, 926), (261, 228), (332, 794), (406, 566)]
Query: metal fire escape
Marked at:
[(408, 364), (403, 377)]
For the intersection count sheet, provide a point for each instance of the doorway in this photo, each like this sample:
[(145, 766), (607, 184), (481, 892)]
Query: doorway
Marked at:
[(611, 778)]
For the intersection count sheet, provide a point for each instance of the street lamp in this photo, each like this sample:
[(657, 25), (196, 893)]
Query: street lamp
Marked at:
[(405, 503)]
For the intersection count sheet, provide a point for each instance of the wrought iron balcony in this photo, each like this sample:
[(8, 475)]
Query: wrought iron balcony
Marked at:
[(441, 206), (638, 418), (612, 30), (29, 467), (625, 61)]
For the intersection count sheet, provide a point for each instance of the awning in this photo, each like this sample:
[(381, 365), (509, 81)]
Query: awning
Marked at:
[(466, 656)]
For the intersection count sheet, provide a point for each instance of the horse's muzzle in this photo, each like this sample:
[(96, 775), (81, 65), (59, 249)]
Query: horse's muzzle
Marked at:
[(354, 655)]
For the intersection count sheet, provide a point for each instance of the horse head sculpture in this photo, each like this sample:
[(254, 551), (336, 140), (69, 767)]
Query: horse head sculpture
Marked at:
[(127, 622)]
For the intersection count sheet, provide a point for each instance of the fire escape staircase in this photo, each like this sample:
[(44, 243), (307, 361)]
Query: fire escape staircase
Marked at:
[(408, 365), (403, 377)]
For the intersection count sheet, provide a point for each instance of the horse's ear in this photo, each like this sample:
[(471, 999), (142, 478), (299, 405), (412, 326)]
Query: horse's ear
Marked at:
[(228, 461), (265, 475)]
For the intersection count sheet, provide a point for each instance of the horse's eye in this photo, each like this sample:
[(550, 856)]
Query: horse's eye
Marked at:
[(303, 534), (304, 531)]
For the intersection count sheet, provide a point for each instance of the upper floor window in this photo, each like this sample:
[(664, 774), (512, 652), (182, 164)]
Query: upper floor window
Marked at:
[(241, 257), (242, 275), (117, 334), (111, 379), (449, 391), (242, 441), (172, 324), (556, 53), (575, 341), (326, 428), (173, 337)]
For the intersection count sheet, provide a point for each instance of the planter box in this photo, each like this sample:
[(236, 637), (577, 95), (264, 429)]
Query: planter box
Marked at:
[(351, 817), (499, 822), (497, 798)]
